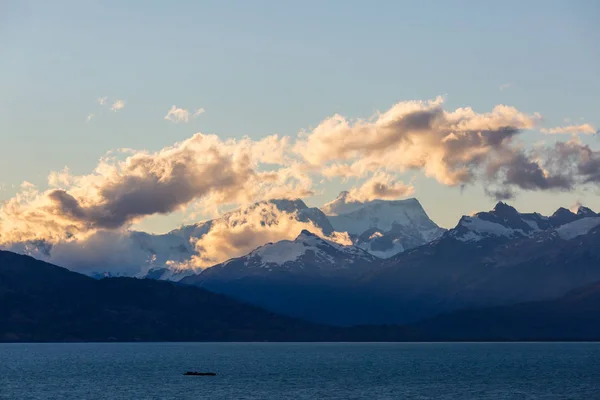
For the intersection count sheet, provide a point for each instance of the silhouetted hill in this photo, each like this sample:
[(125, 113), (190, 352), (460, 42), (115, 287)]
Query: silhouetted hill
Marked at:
[(43, 302), (576, 316)]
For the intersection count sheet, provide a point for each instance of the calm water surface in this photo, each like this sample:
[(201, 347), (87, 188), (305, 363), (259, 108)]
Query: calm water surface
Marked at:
[(301, 371)]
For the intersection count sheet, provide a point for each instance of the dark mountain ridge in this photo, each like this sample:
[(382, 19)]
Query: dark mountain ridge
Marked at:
[(44, 303)]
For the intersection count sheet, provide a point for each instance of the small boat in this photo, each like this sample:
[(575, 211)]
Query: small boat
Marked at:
[(195, 373)]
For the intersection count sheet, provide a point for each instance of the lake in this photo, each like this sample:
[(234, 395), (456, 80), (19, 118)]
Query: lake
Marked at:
[(454, 371)]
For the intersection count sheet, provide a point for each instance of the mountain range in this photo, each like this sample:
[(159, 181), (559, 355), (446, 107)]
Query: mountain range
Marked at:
[(41, 302), (395, 265), (383, 228), (493, 258)]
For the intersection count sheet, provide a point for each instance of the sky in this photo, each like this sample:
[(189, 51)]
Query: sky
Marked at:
[(82, 81)]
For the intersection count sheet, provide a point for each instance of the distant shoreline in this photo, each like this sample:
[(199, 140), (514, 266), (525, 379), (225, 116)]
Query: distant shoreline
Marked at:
[(307, 342)]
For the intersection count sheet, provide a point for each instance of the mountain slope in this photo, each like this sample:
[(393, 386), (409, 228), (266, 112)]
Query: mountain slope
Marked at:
[(309, 278), (494, 259), (576, 316), (308, 256), (42, 302)]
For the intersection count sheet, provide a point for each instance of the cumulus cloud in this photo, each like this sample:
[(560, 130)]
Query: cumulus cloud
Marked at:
[(181, 115), (515, 168), (585, 129), (89, 117), (102, 100), (456, 148), (120, 192), (380, 186), (60, 178), (451, 147), (578, 161), (177, 115), (118, 105)]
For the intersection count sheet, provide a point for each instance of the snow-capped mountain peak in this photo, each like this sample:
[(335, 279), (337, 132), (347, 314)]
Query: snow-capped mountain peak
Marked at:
[(383, 227), (307, 255), (586, 212), (383, 215), (503, 221), (306, 235), (506, 222), (563, 216)]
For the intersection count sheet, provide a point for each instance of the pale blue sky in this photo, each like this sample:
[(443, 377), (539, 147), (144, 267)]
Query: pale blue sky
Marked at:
[(264, 67)]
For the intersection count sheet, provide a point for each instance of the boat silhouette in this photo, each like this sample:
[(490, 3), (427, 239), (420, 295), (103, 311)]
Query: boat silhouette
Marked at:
[(195, 373)]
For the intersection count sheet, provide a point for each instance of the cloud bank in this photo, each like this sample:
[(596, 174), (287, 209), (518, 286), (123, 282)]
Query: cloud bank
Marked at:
[(120, 192), (454, 147)]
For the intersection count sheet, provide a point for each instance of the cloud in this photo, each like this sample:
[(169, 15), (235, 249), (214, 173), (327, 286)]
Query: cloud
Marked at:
[(523, 172), (60, 178), (133, 253), (181, 115), (89, 117), (244, 230), (505, 86), (120, 192), (118, 105), (380, 186), (102, 100), (576, 206), (457, 148), (498, 194), (576, 160), (586, 129), (452, 147), (103, 251)]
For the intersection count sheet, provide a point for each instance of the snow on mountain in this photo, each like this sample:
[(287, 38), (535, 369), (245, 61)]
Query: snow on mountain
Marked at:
[(577, 228), (383, 215), (383, 228), (477, 229), (506, 222), (503, 221), (307, 255)]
